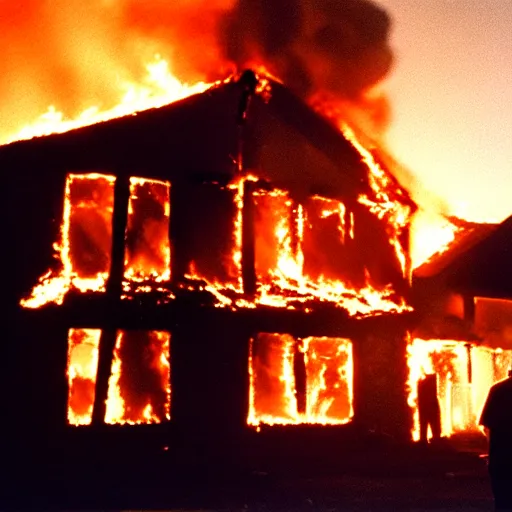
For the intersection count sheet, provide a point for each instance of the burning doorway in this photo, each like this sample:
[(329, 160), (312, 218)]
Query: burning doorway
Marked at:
[(464, 373)]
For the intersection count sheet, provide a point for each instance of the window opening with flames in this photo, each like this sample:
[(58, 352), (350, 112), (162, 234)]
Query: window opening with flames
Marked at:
[(84, 250), (303, 252), (300, 381), (139, 387), (464, 374), (148, 250)]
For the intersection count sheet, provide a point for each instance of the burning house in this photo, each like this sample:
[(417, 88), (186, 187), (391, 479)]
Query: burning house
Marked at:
[(210, 274), (463, 300)]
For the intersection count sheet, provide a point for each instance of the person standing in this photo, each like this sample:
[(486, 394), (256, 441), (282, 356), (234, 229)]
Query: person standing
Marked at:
[(428, 408), (496, 419)]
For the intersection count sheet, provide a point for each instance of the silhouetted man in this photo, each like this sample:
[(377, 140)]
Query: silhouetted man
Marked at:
[(497, 420), (428, 407)]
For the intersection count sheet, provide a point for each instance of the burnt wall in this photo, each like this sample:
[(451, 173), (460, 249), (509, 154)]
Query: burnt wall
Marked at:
[(380, 376), (31, 211), (209, 386)]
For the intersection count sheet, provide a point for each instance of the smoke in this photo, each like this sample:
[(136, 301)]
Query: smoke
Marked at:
[(74, 54), (335, 50)]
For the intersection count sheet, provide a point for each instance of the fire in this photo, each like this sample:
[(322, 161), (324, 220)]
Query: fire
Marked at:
[(384, 203), (326, 380), (291, 272), (464, 373), (139, 386), (159, 88), (83, 349), (432, 235), (148, 251), (84, 248)]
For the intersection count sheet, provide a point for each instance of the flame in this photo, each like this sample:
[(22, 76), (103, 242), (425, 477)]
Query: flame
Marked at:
[(280, 260), (160, 87), (148, 250), (83, 351), (461, 400), (84, 249), (384, 204), (273, 393), (431, 235), (122, 406)]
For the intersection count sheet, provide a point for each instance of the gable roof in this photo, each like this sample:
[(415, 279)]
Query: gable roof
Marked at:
[(479, 261), (282, 139)]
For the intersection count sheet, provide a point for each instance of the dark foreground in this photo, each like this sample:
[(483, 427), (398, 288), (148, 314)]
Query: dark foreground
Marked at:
[(410, 478)]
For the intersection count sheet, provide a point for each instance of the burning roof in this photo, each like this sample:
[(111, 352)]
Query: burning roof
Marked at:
[(209, 120), (477, 261), (249, 138)]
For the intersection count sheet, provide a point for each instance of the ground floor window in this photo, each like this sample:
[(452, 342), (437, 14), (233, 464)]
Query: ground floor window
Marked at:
[(139, 387), (296, 381)]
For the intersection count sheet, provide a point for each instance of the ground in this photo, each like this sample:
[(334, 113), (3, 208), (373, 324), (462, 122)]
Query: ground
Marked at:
[(414, 478)]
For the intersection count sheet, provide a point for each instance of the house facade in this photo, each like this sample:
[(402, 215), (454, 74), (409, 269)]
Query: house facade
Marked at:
[(217, 276)]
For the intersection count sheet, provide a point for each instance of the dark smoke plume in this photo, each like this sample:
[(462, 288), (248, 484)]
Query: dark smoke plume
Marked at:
[(74, 54), (339, 47)]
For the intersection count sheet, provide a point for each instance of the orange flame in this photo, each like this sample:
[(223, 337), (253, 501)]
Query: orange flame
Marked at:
[(460, 399), (83, 350), (328, 370), (87, 216), (159, 88), (157, 353), (148, 250)]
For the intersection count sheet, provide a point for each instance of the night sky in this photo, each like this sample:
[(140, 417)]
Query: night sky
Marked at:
[(449, 85), (451, 92)]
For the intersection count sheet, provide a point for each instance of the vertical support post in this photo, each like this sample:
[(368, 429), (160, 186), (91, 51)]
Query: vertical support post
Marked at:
[(113, 296), (299, 371), (248, 242), (470, 363)]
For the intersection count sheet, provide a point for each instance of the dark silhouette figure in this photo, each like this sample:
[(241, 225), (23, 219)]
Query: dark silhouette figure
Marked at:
[(497, 419), (428, 408)]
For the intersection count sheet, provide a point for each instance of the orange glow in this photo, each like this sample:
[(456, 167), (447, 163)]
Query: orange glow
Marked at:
[(329, 373), (148, 251), (460, 399), (85, 246), (139, 387), (431, 234), (160, 87), (273, 391), (283, 282), (83, 347), (385, 202)]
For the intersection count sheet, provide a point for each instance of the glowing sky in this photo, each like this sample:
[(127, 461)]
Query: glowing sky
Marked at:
[(451, 92)]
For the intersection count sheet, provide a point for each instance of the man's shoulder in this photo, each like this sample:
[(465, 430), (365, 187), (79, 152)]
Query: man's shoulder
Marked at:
[(502, 385)]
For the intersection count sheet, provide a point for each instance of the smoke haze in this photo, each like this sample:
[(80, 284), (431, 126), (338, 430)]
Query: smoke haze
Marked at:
[(74, 54)]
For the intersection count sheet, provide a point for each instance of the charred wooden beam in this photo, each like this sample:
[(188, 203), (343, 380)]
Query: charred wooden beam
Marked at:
[(113, 293), (248, 242), (299, 370), (295, 229)]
